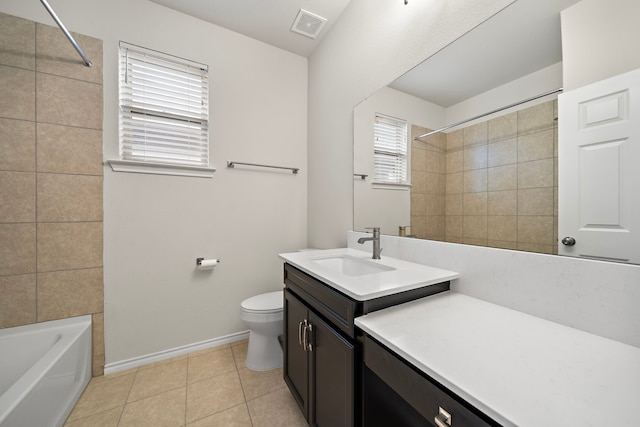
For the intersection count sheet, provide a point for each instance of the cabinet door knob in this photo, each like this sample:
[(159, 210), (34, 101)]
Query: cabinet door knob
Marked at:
[(443, 419)]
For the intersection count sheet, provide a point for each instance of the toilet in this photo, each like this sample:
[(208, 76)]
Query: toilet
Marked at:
[(263, 314)]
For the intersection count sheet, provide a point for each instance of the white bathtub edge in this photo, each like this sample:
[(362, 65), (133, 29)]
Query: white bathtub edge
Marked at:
[(135, 362)]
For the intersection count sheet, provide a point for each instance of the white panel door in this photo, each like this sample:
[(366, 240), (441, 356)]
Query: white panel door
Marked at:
[(599, 170)]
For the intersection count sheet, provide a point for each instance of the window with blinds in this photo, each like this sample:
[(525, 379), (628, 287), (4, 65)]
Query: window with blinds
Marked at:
[(164, 108), (389, 150)]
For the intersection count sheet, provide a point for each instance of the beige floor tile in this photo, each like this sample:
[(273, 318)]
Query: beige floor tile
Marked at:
[(213, 395), (163, 410), (240, 353), (164, 362), (255, 383), (159, 379), (210, 349), (210, 364), (238, 416), (276, 409), (108, 418), (103, 394)]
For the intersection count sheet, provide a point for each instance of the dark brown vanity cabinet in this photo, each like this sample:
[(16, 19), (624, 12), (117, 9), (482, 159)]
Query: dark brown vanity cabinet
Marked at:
[(322, 351)]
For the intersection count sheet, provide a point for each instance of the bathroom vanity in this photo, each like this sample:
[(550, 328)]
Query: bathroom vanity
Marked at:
[(324, 292)]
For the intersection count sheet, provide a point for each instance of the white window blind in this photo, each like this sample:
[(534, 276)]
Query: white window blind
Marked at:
[(389, 150), (164, 108)]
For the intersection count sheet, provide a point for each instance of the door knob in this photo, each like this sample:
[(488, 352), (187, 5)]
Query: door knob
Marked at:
[(568, 241)]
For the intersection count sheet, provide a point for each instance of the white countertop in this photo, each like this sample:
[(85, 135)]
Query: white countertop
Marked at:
[(404, 276), (518, 369)]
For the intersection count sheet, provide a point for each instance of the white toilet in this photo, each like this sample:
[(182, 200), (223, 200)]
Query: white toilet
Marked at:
[(263, 314)]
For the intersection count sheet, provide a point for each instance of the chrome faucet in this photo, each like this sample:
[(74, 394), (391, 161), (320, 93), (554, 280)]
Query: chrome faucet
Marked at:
[(376, 241)]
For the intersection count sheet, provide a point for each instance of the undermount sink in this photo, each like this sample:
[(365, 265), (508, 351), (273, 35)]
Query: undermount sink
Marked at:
[(351, 266)]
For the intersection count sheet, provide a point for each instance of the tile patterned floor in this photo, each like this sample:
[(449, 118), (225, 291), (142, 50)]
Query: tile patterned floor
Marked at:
[(208, 388)]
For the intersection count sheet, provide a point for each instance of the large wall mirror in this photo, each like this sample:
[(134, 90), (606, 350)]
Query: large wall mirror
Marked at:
[(492, 180)]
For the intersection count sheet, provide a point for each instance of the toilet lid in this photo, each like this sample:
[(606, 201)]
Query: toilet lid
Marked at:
[(271, 301)]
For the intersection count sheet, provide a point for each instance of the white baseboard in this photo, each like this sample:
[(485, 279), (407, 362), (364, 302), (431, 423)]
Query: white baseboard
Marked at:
[(135, 362)]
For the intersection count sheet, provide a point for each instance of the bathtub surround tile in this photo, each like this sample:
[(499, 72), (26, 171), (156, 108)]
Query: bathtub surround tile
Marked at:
[(276, 409), (18, 249), (475, 158), (454, 161), (535, 229), (238, 416), (213, 395), (64, 246), (64, 198), (18, 301), (475, 204), (69, 293), (475, 135), (502, 202), (97, 333), (503, 127), (56, 144), (69, 102), (536, 118), (503, 152), (453, 225), (453, 204), (163, 410), (17, 196), (535, 247), (503, 178), (17, 42), (157, 380), (535, 146), (474, 227), (55, 55), (475, 181), (503, 228), (454, 183), (536, 201), (455, 140), (17, 93), (17, 145), (538, 173)]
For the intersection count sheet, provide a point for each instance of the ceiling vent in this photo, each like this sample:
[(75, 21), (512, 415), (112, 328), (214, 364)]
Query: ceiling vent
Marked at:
[(308, 24)]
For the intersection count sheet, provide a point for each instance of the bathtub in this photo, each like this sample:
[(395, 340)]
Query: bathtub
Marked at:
[(44, 368)]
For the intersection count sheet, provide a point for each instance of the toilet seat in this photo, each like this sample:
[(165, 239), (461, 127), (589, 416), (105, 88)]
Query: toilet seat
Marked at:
[(270, 302)]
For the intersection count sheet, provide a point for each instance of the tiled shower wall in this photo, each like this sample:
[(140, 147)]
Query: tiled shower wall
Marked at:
[(500, 183), (50, 178)]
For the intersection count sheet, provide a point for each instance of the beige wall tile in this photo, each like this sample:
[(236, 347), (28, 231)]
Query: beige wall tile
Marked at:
[(418, 182), (434, 204), (474, 203), (503, 228), (69, 197), (474, 227), (503, 127), (535, 229), (18, 300), (97, 332), (454, 183), (18, 248), (475, 181), (455, 140), (69, 293), (435, 183), (418, 159), (435, 227), (453, 204), (504, 152), (17, 145), (64, 149), (535, 201), (69, 245), (17, 196), (474, 241), (17, 93), (475, 135), (418, 204), (453, 224), (475, 158), (454, 161), (502, 202), (435, 161), (538, 173), (536, 118), (535, 146), (419, 226), (69, 102), (502, 244), (534, 247), (503, 178), (17, 42), (55, 55)]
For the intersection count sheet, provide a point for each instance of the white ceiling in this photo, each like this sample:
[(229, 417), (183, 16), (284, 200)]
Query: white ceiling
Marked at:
[(519, 40), (269, 21)]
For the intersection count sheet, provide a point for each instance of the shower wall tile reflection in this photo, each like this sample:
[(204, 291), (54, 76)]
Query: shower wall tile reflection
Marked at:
[(500, 182)]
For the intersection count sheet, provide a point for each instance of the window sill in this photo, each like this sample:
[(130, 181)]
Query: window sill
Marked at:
[(389, 186), (160, 169)]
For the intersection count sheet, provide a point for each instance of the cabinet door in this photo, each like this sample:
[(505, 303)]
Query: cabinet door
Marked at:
[(332, 376), (296, 361)]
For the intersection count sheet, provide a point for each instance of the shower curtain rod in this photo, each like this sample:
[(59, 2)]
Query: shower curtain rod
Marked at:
[(515, 104), (85, 60)]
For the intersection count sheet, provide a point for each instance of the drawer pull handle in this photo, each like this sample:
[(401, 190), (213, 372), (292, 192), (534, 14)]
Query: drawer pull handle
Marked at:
[(307, 336), (443, 419)]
